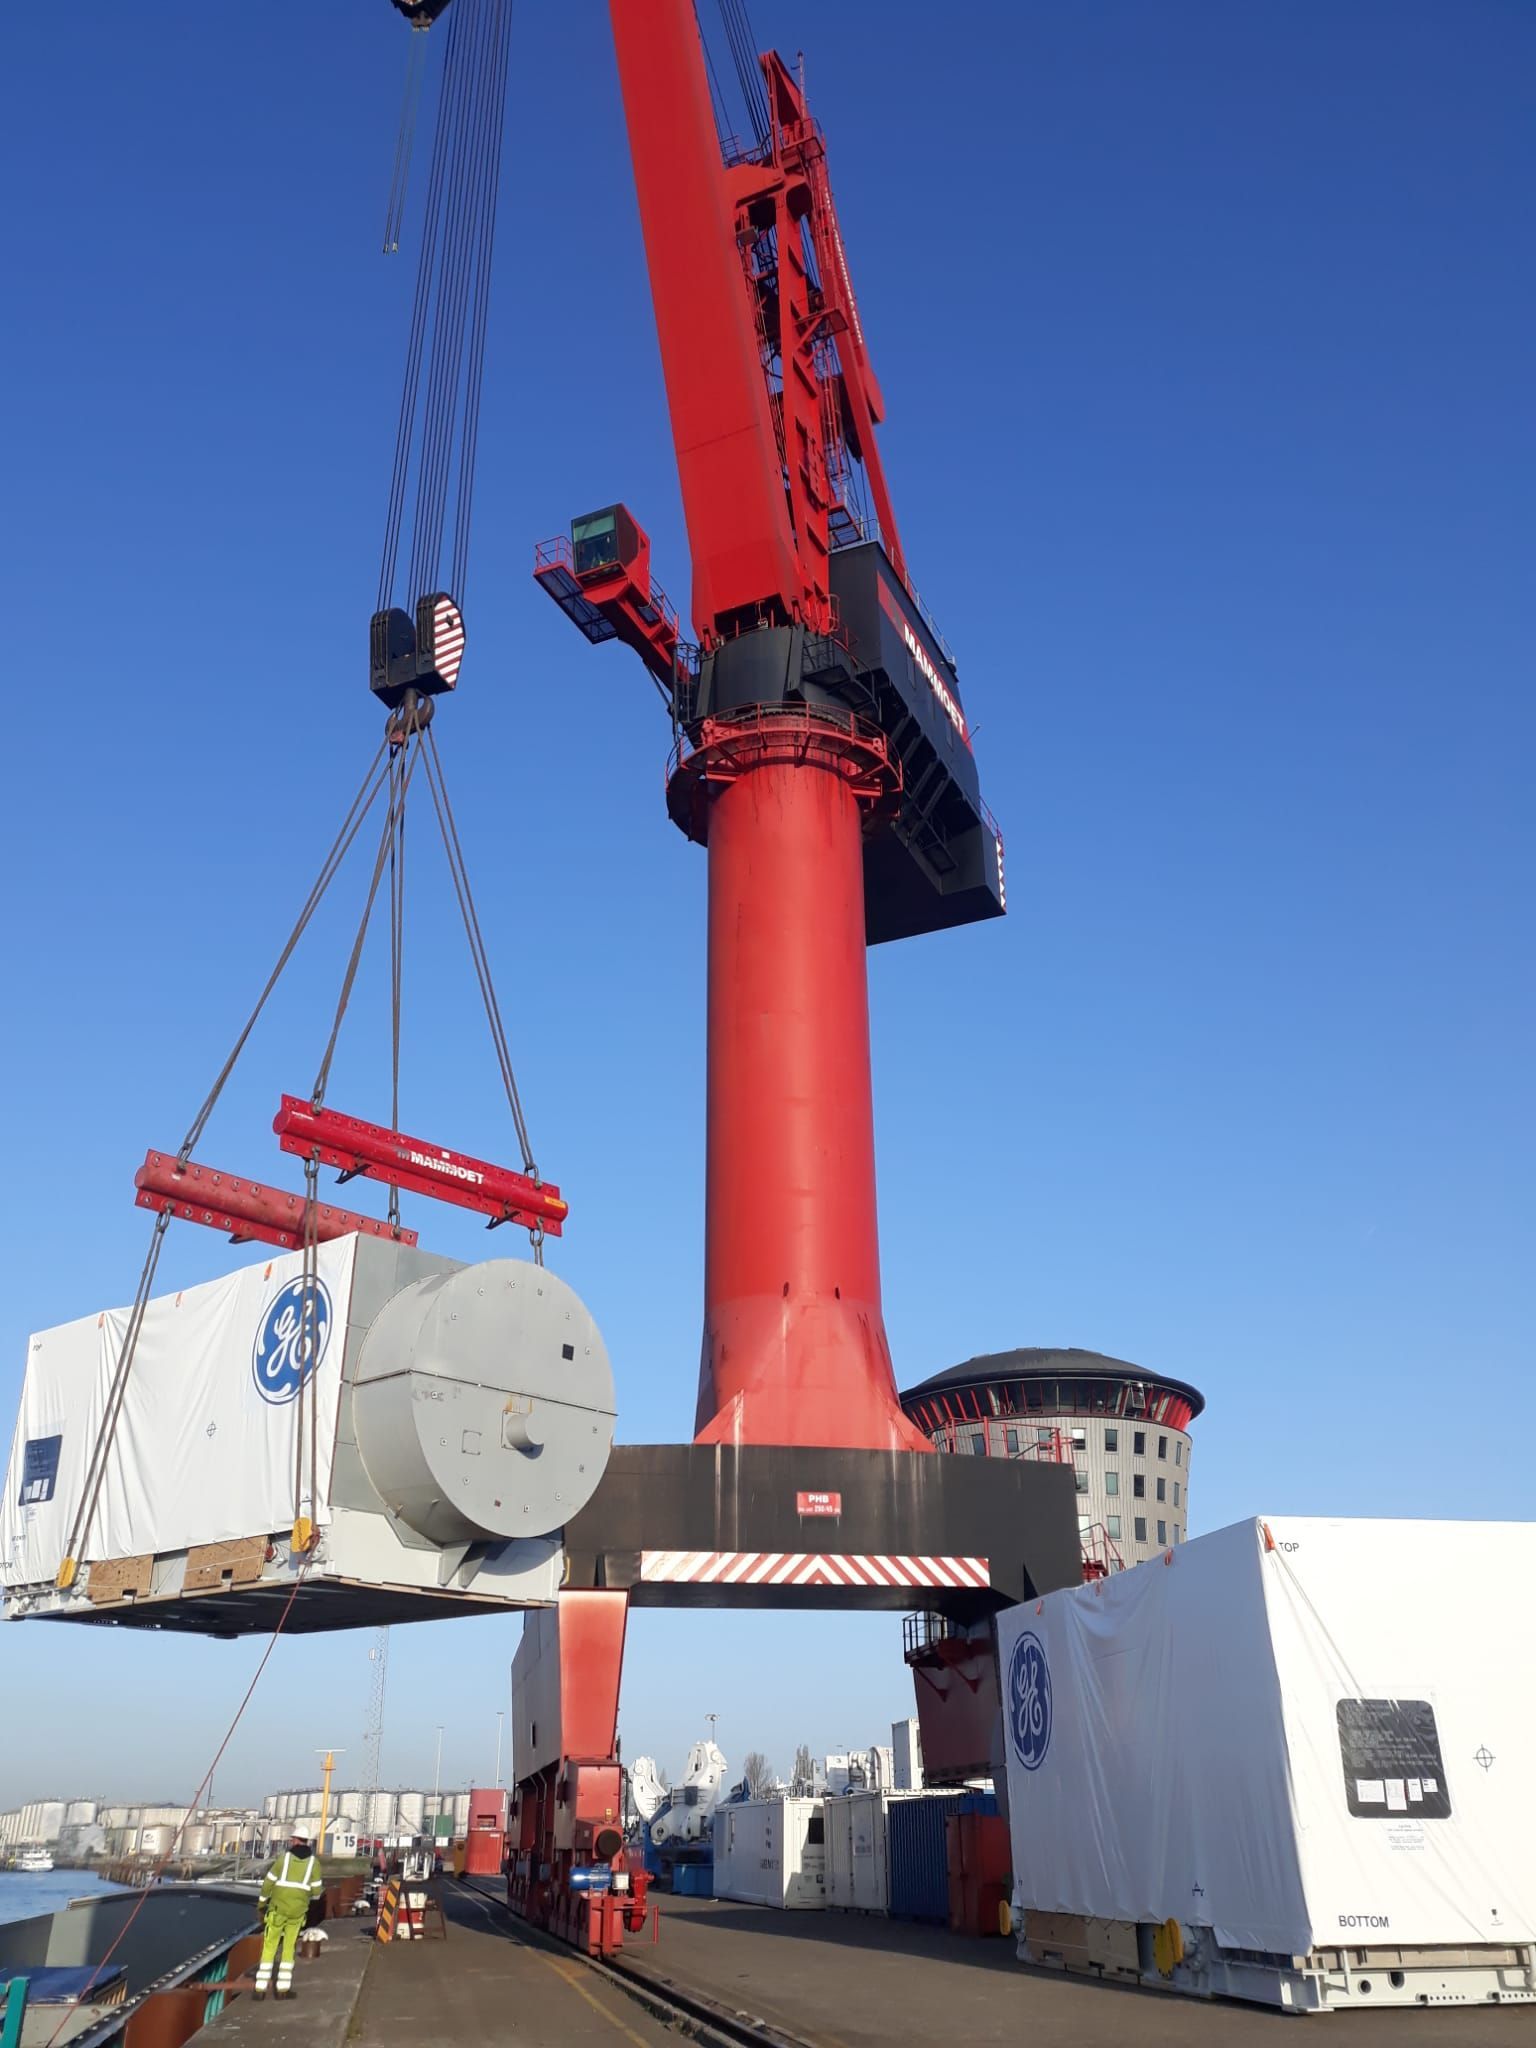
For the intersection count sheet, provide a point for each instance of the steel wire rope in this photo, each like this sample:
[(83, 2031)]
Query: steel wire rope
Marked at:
[(459, 871), (405, 138), (743, 45), (722, 114), (96, 1465), (361, 804), (397, 800), (405, 430), (452, 342), (207, 1781), (396, 971), (460, 112), (479, 318)]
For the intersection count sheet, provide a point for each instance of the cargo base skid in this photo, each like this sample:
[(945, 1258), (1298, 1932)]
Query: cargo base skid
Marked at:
[(1327, 1980)]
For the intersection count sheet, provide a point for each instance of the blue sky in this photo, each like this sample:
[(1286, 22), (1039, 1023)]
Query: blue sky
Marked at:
[(1206, 339)]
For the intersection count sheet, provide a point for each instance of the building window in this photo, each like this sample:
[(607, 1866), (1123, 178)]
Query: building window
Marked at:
[(1079, 1439), (979, 1444), (1011, 1439), (1082, 1480), (1140, 1526), (1111, 1439), (1139, 1443), (1162, 1447), (1044, 1436), (1162, 1532), (1178, 1452), (1178, 1534), (1139, 1485), (1162, 1489), (1112, 1524), (1083, 1525), (1175, 1493), (1111, 1482)]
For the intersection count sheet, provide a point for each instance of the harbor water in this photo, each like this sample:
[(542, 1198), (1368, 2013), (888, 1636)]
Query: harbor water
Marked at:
[(24, 1894)]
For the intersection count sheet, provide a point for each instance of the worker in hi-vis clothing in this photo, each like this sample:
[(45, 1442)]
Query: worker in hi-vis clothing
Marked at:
[(286, 1890)]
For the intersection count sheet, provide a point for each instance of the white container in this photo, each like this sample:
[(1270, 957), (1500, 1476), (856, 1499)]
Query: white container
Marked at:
[(771, 1852), (907, 1756), (1311, 1739), (857, 1853)]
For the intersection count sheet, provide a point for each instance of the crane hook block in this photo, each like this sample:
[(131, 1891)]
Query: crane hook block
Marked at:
[(421, 13), (424, 656), (354, 1147)]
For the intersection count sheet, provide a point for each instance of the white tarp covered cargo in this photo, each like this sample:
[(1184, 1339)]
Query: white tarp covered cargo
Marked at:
[(216, 1366), (454, 1417), (1296, 1734)]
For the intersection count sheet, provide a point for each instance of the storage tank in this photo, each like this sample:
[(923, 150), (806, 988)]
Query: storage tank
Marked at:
[(156, 1840), (411, 1813), (199, 1838), (80, 1813)]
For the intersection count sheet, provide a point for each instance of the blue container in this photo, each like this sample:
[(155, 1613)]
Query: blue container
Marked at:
[(694, 1880), (918, 1854)]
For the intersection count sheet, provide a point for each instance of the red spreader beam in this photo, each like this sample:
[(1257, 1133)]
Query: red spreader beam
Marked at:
[(244, 1208), (355, 1147)]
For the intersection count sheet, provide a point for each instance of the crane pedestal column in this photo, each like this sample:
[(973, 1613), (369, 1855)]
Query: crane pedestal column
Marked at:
[(794, 1349)]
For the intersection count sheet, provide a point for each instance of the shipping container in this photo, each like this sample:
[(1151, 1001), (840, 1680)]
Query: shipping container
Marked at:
[(979, 1875), (484, 1852), (1292, 1761), (771, 1852), (918, 1850), (694, 1880), (858, 1852)]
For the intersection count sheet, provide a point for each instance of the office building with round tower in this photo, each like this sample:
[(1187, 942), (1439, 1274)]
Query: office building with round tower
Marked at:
[(1124, 1430)]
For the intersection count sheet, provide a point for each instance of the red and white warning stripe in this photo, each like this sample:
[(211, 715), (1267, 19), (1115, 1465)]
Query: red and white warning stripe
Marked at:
[(802, 1568), (447, 640)]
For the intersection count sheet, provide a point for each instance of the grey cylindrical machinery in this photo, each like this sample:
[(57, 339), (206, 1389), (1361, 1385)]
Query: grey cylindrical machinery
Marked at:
[(483, 1403)]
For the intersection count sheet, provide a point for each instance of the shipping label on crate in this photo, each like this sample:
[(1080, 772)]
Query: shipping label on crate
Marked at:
[(1393, 1769), (39, 1470)]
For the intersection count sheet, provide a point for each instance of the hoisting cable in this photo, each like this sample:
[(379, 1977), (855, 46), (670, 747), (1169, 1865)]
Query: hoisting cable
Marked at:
[(398, 787), (80, 1527), (436, 432), (459, 869), (743, 47), (195, 1803), (96, 1468), (360, 806), (396, 964), (415, 70)]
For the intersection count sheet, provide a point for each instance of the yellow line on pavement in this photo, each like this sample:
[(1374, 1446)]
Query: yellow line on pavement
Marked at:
[(572, 1974)]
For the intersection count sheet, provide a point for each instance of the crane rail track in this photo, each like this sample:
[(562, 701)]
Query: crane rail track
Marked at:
[(694, 2015)]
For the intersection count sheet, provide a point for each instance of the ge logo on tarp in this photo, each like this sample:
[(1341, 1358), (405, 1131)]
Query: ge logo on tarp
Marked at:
[(281, 1361), (1029, 1702)]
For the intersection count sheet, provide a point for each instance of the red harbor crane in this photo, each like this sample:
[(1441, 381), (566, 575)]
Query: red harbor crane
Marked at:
[(823, 756)]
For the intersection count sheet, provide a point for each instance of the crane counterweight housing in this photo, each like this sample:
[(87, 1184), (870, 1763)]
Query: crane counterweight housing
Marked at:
[(455, 1416)]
